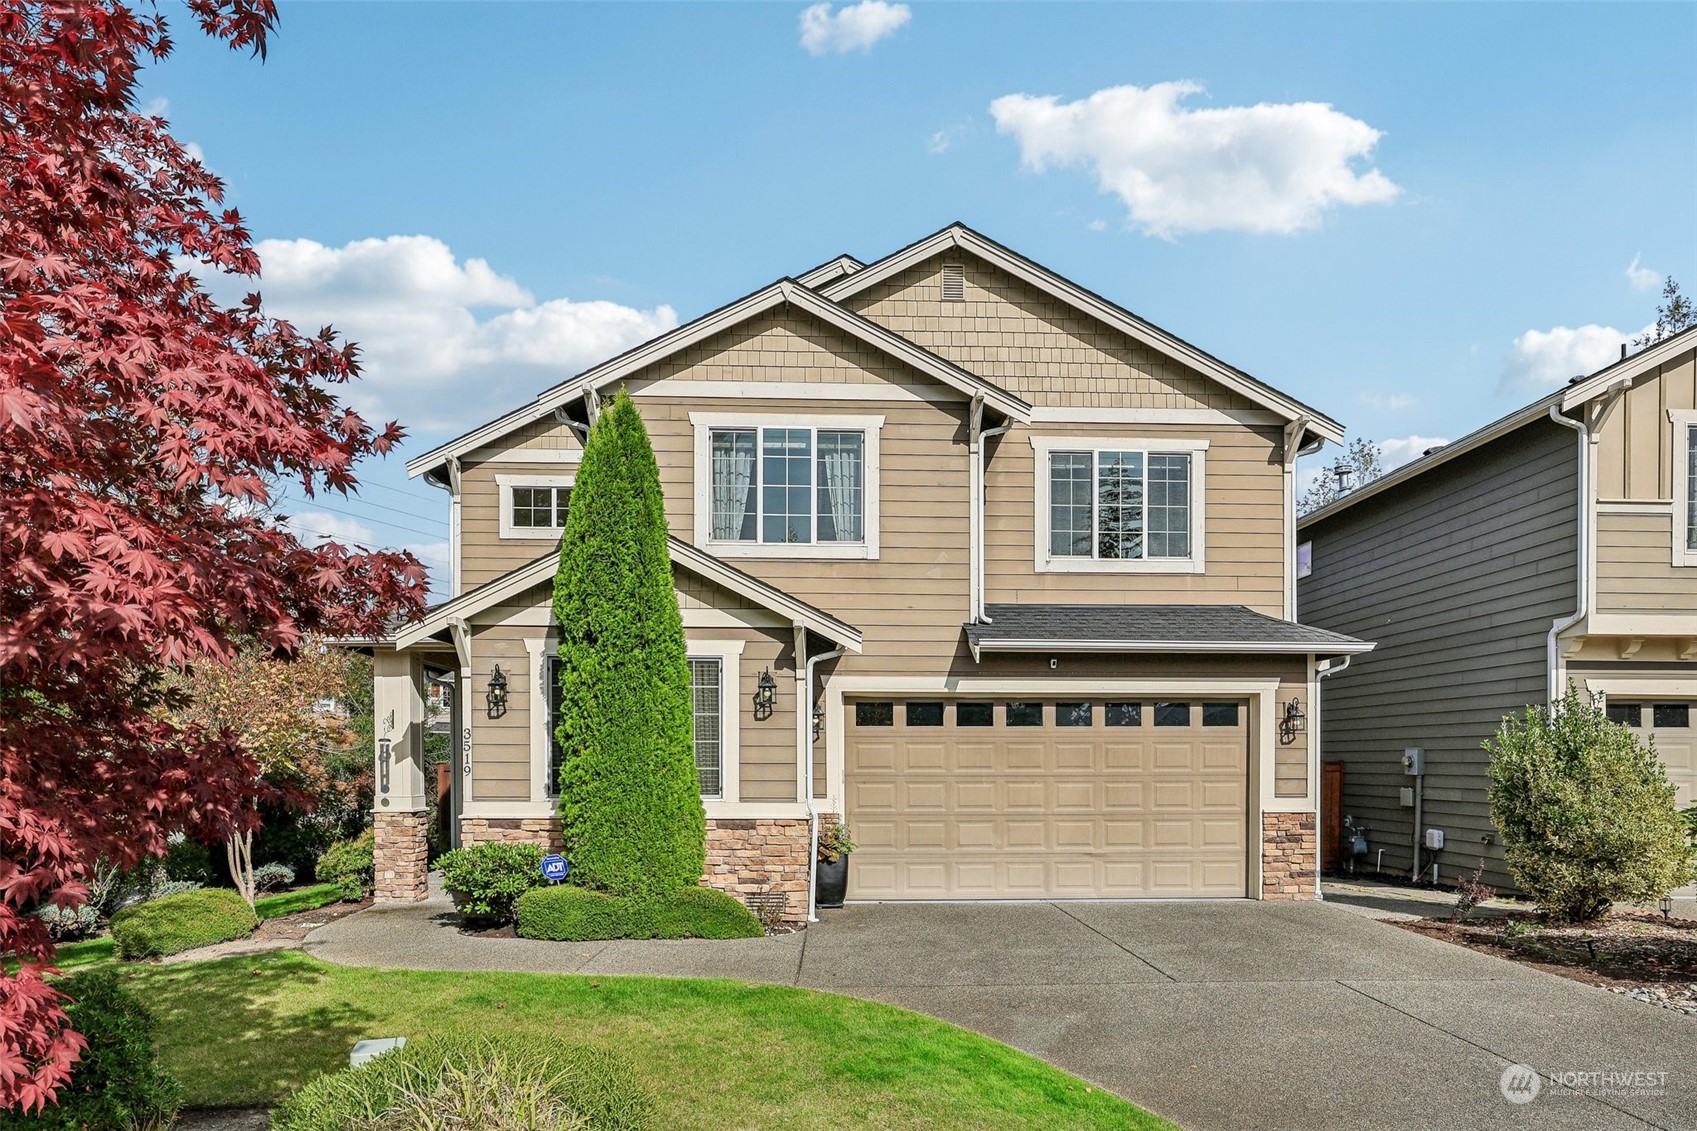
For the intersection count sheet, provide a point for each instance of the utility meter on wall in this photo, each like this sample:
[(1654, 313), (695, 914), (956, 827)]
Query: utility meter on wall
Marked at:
[(1411, 758)]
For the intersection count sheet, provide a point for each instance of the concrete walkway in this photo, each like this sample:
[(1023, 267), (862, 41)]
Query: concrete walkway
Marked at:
[(1214, 1014)]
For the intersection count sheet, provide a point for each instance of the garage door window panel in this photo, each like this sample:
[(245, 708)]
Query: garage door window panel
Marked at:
[(1122, 714), (924, 714), (1075, 714), (1024, 714), (975, 714), (1172, 714), (1671, 716)]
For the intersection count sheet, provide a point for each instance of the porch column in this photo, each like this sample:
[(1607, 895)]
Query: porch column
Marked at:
[(400, 809)]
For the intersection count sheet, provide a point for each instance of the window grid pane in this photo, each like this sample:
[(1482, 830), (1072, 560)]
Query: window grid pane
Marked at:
[(704, 700), (1691, 488), (1070, 517), (540, 508), (1119, 504), (842, 486), (733, 486), (1169, 505), (786, 485), (556, 753)]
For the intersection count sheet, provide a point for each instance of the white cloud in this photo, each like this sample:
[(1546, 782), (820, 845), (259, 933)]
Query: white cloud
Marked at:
[(1395, 402), (1394, 453), (851, 28), (939, 142), (1542, 360), (313, 527), (444, 343), (1268, 168), (1098, 225), (1642, 278)]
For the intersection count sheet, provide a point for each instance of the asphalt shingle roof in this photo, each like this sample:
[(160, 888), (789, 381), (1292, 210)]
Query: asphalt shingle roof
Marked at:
[(1149, 624)]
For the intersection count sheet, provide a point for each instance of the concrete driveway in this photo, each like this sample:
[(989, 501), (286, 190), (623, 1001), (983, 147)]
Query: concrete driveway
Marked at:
[(1215, 1015)]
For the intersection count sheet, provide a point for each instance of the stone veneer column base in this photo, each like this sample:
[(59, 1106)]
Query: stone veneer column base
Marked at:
[(401, 856), (1287, 855), (544, 831)]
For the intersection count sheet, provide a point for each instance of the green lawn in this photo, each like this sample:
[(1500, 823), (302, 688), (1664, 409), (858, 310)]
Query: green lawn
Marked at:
[(301, 899), (714, 1054)]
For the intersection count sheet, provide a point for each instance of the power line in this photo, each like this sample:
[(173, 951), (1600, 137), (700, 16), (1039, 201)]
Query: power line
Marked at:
[(305, 502), (303, 528), (381, 522)]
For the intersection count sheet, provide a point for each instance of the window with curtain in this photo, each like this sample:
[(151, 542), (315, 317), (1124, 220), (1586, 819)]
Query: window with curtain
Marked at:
[(1120, 505), (706, 700), (788, 485)]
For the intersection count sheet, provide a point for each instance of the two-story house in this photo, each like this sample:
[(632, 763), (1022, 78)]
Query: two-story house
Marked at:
[(1557, 544), (966, 554)]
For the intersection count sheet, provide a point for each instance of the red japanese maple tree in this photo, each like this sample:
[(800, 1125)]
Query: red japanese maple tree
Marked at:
[(140, 425)]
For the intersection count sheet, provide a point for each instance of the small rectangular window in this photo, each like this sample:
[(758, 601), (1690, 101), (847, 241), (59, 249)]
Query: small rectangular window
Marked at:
[(1219, 714), (1172, 714), (924, 714), (556, 753), (1304, 560), (1074, 715), (704, 689), (975, 714), (1025, 714), (874, 714), (1674, 716), (539, 508), (1627, 714), (1123, 714), (1691, 488)]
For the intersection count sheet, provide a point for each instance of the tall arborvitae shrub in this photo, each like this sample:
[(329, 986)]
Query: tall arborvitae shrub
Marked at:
[(629, 799)]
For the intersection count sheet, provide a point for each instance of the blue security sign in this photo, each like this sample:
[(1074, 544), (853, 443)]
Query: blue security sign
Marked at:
[(555, 868)]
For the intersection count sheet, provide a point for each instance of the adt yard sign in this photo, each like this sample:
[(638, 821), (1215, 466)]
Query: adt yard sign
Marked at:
[(555, 868)]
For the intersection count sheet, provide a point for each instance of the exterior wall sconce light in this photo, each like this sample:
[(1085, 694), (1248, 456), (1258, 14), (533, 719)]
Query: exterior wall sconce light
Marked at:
[(818, 720), (765, 694), (497, 694), (1293, 723)]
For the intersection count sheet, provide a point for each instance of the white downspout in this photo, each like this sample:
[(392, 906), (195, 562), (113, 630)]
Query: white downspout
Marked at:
[(980, 502), (1583, 576), (807, 761)]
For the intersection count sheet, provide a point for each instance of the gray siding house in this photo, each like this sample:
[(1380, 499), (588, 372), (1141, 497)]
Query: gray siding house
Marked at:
[(1556, 544)]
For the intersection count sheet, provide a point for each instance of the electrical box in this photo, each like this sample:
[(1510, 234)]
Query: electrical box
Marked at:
[(1434, 839), (1411, 759), (1405, 795)]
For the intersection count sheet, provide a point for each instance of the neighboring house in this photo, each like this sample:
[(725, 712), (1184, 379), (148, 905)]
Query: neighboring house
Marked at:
[(989, 566), (1557, 544)]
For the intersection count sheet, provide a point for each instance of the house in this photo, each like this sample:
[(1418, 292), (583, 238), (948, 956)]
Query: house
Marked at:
[(1556, 545), (966, 554)]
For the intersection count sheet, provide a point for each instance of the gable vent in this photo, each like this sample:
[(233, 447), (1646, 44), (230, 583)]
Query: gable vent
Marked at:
[(954, 282)]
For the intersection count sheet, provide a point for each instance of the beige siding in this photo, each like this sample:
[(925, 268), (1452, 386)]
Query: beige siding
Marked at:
[(1635, 457), (484, 554), (1635, 570), (500, 748), (768, 745), (1243, 516), (1033, 344), (1291, 760)]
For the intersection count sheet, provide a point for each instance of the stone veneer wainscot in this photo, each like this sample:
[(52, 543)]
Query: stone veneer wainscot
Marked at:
[(1287, 855)]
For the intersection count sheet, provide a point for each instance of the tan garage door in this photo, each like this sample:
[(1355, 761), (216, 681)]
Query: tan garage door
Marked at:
[(1670, 724), (974, 799)]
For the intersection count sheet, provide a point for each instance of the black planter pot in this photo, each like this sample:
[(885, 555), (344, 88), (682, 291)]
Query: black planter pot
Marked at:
[(830, 882)]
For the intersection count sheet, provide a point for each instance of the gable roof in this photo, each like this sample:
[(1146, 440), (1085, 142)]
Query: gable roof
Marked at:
[(695, 560), (783, 292), (1578, 392), (829, 271), (959, 236)]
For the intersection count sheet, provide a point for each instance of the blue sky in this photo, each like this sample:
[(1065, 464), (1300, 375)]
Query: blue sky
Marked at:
[(1451, 236)]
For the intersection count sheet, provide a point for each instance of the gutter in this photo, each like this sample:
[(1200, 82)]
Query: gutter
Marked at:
[(806, 730), (1552, 658)]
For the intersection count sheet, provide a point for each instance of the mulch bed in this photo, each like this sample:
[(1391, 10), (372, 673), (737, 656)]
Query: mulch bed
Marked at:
[(1636, 953), (293, 928)]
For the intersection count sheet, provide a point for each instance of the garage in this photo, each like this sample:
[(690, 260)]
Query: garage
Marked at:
[(1031, 799), (1669, 725)]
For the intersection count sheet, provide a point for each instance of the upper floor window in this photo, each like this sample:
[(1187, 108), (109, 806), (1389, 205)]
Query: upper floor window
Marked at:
[(787, 486), (533, 506), (1684, 486), (1119, 505)]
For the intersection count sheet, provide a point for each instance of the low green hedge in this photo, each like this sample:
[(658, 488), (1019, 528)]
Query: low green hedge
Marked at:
[(486, 879), (574, 914), (349, 864), (181, 922), (118, 1083), (475, 1083)]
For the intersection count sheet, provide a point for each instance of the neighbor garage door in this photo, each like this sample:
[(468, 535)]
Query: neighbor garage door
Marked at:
[(1669, 723), (980, 799)]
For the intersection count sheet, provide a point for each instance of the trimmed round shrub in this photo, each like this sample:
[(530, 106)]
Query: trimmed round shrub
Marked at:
[(1586, 811), (486, 879), (66, 924), (574, 914), (118, 1083), (181, 922), (349, 865), (479, 1084), (273, 877)]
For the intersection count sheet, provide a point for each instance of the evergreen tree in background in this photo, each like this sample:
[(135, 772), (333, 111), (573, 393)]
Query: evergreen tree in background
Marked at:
[(630, 802)]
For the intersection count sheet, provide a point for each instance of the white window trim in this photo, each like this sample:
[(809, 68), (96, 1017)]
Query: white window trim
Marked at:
[(1045, 446), (729, 655), (704, 424), (1684, 420), (506, 483)]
